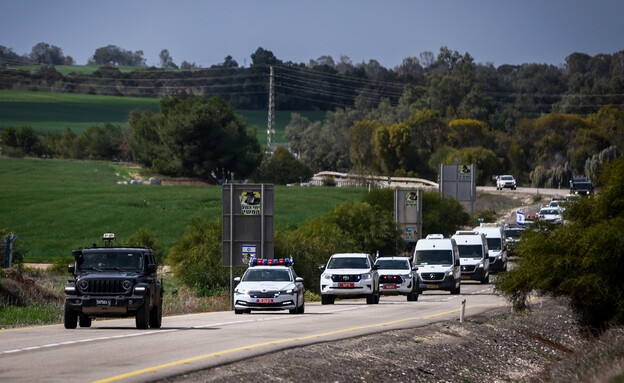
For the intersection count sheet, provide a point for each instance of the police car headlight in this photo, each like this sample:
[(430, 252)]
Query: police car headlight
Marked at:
[(407, 276), (288, 291), (327, 276), (240, 291), (367, 276)]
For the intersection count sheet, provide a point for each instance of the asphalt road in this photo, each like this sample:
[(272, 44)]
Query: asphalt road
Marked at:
[(114, 350)]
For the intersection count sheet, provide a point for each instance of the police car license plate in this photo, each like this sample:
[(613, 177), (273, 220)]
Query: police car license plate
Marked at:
[(264, 300), (433, 286), (390, 286), (102, 302), (346, 285)]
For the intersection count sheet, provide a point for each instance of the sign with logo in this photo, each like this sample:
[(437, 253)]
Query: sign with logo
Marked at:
[(411, 199), (411, 234), (250, 203)]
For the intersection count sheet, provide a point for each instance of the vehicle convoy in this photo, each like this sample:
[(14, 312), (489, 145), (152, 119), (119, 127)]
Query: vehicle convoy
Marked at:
[(505, 181), (350, 275), (113, 282), (437, 259), (397, 276), (473, 255), (496, 245), (581, 186), (269, 284)]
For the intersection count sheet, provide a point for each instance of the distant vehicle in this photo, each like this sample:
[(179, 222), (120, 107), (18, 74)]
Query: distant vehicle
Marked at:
[(269, 284), (473, 254), (438, 264), (397, 276), (350, 275), (512, 237), (581, 186), (496, 245), (505, 181), (551, 214)]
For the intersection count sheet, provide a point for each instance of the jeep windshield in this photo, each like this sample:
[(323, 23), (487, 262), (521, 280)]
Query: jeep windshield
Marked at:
[(470, 251), (348, 263), (434, 257), (513, 233), (393, 264), (100, 261), (494, 243)]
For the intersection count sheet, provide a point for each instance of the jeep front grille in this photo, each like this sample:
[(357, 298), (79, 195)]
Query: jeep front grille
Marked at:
[(346, 278), (105, 286), (391, 279)]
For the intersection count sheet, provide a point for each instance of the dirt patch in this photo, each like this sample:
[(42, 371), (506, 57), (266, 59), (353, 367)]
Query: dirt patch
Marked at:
[(493, 347)]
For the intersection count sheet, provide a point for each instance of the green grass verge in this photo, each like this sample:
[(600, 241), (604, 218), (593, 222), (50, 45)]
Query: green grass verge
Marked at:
[(60, 205), (45, 111)]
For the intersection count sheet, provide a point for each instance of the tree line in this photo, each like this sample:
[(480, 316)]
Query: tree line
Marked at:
[(449, 80)]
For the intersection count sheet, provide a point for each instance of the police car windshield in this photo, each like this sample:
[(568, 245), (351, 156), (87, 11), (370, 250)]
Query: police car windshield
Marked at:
[(434, 257), (267, 275), (549, 211), (111, 261), (393, 264), (470, 251), (348, 263), (494, 243)]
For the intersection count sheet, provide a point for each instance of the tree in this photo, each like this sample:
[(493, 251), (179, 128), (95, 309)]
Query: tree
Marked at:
[(229, 62), (361, 135), (392, 144), (282, 168), (264, 57), (581, 260), (113, 55), (166, 61), (201, 137), (44, 53)]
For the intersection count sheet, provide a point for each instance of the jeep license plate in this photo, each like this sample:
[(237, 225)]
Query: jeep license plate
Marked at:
[(433, 286), (346, 285), (390, 286), (465, 277), (264, 300), (102, 302)]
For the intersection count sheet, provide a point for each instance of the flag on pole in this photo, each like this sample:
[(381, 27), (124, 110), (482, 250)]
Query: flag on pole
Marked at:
[(520, 217)]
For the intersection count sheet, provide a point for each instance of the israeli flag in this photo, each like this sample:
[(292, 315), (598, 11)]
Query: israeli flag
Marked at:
[(520, 217)]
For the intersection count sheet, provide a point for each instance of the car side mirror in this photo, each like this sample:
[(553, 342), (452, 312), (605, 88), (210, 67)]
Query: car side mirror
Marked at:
[(237, 279), (322, 267), (151, 268), (298, 279), (414, 268), (375, 267), (71, 268), (457, 262)]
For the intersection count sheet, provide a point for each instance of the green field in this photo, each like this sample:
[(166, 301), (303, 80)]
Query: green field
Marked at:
[(45, 111), (57, 205)]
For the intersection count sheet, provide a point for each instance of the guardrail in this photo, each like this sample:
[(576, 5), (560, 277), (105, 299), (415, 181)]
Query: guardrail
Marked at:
[(358, 180)]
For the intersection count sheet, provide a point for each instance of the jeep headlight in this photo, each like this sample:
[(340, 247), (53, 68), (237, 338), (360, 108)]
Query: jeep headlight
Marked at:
[(83, 285), (126, 285), (327, 276), (367, 276)]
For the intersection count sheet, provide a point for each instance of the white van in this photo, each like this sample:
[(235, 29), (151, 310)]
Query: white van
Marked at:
[(473, 255), (438, 264), (494, 234)]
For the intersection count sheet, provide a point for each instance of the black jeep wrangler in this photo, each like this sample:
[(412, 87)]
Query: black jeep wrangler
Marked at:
[(113, 282)]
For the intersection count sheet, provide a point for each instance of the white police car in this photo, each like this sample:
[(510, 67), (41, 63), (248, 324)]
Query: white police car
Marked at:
[(397, 276), (269, 284)]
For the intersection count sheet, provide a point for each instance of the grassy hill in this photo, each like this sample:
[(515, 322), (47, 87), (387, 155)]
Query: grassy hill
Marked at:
[(45, 111), (58, 205)]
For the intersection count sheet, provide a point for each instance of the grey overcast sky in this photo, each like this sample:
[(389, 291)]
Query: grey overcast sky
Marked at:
[(204, 32)]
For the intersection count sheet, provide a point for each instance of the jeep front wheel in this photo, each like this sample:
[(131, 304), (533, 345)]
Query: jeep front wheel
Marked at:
[(155, 317), (143, 316), (70, 319)]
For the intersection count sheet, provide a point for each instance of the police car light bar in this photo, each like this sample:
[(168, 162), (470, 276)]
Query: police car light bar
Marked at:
[(271, 262)]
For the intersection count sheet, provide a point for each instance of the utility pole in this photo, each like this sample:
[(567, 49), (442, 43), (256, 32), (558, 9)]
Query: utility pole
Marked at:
[(271, 122)]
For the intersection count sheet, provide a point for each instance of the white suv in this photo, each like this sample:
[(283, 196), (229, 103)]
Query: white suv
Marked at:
[(350, 275), (505, 181)]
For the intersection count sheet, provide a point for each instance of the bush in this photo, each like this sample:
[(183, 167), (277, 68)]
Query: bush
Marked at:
[(582, 260)]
